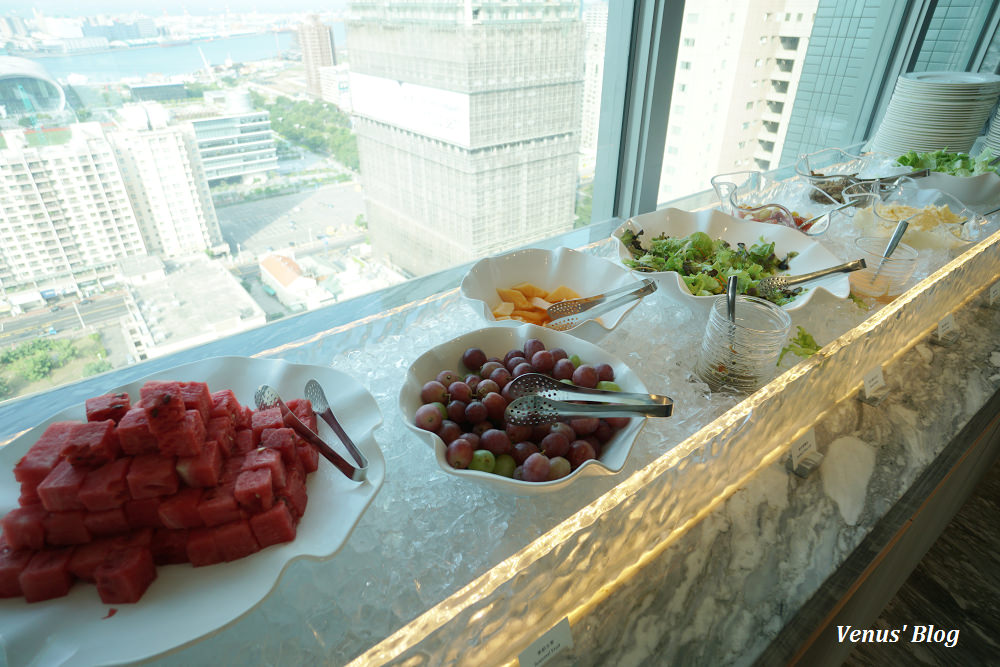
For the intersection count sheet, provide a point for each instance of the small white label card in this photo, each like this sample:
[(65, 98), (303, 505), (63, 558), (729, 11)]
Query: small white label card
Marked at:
[(804, 449), (994, 295), (541, 650), (874, 382), (946, 326)]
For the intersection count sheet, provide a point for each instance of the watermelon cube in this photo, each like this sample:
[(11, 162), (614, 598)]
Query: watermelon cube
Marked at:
[(309, 456), (152, 475), (163, 403), (235, 540), (197, 397), (92, 444), (202, 470), (144, 513), (273, 526), (303, 409), (244, 441), (125, 575), (134, 434), (218, 506), (141, 537), (24, 528), (47, 575), (87, 557), (169, 547), (283, 440), (12, 564), (244, 417), (109, 406), (294, 492), (185, 438), (264, 419), (60, 489), (254, 490), (106, 522), (231, 470), (225, 404), (65, 528), (105, 488), (222, 430), (43, 456), (262, 457), (181, 509), (202, 549)]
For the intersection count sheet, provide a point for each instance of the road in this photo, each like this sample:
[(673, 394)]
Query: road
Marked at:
[(103, 310)]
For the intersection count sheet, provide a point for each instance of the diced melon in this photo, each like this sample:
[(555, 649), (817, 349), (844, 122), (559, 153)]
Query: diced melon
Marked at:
[(47, 575), (169, 546), (202, 549), (44, 455), (105, 488), (12, 564), (134, 435), (513, 296), (23, 527), (504, 309), (106, 523), (235, 540), (60, 489), (273, 526), (530, 290), (540, 303), (562, 293), (66, 528), (254, 490), (152, 475), (109, 406), (125, 575), (92, 444), (181, 509)]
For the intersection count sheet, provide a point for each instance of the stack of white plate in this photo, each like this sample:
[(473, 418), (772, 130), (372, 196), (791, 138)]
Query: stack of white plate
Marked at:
[(993, 136), (929, 111)]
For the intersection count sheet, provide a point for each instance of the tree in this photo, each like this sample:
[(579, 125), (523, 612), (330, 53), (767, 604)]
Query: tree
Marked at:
[(96, 367)]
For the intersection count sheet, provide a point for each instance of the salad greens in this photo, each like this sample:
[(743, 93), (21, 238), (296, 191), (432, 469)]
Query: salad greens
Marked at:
[(801, 345), (705, 265), (956, 164)]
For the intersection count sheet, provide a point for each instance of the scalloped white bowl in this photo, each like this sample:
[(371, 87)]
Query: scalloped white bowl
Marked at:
[(496, 341), (586, 274), (675, 222), (970, 190)]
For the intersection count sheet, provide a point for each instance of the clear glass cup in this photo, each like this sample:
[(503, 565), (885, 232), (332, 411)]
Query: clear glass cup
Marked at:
[(884, 278), (743, 356)]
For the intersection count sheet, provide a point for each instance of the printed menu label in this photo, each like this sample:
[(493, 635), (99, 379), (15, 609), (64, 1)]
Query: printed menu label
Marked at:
[(545, 647), (803, 447), (946, 326), (874, 382), (994, 293)]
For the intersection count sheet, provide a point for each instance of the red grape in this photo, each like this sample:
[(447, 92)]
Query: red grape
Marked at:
[(585, 376), (580, 451), (604, 431), (473, 358), (563, 369), (501, 376), (554, 444), (558, 353), (456, 411), (617, 422), (495, 441), (447, 377), (449, 431), (514, 362), (523, 450), (531, 346), (543, 361), (584, 425), (488, 368), (511, 354), (472, 381), (487, 387), (523, 368), (459, 453), (605, 373), (564, 428), (482, 427), (460, 391), (473, 438), (519, 432), (558, 468), (475, 412), (495, 406), (429, 417), (434, 392), (535, 468)]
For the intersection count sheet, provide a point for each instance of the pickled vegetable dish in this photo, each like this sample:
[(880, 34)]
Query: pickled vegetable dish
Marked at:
[(705, 265)]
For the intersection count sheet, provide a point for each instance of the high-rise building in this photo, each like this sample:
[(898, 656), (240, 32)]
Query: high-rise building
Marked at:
[(65, 215), (468, 125), (738, 68), (166, 182), (234, 140), (316, 43), (595, 18)]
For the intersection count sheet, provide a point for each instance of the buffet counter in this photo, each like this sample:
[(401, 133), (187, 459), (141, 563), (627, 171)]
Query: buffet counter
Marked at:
[(705, 549)]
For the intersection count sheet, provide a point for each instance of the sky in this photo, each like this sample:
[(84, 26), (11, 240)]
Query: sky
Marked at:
[(153, 7)]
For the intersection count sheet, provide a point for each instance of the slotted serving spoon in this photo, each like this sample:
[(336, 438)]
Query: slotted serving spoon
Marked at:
[(314, 394), (266, 397), (539, 399), (774, 284)]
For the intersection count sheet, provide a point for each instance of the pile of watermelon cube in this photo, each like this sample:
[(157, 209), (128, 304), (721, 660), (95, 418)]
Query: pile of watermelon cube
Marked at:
[(184, 476)]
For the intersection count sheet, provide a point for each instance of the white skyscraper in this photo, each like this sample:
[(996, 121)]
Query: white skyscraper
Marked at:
[(468, 125), (738, 68), (595, 18), (65, 216), (316, 42), (166, 182)]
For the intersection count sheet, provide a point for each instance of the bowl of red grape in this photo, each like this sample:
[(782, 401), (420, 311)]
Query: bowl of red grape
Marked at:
[(454, 399)]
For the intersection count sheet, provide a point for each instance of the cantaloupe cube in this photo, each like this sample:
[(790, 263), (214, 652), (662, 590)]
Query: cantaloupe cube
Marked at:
[(533, 316), (515, 297), (540, 303), (529, 290), (504, 309), (562, 293)]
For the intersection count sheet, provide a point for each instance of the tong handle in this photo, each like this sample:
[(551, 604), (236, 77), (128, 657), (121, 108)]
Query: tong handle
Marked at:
[(569, 321), (587, 302), (840, 268)]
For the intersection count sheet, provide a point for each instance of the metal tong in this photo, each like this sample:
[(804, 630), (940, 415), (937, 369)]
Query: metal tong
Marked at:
[(567, 314), (772, 284), (539, 399), (266, 398)]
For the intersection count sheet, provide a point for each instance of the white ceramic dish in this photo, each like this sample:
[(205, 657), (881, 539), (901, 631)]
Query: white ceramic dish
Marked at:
[(675, 222), (184, 603), (970, 190), (586, 274), (496, 341)]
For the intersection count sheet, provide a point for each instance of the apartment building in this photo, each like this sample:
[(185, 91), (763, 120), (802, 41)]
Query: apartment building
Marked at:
[(316, 43), (738, 70), (65, 218), (166, 182), (468, 125), (233, 139), (595, 19)]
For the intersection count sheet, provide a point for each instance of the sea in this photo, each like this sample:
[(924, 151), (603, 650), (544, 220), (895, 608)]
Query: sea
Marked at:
[(171, 60)]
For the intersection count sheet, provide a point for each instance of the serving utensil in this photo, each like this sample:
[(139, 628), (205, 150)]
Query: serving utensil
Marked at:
[(570, 321), (773, 284), (540, 399), (266, 398), (574, 306), (317, 397), (732, 289)]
